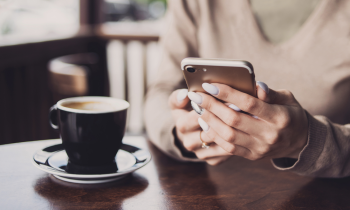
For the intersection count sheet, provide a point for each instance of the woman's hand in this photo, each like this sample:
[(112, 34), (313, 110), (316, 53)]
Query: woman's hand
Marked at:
[(188, 130), (277, 126)]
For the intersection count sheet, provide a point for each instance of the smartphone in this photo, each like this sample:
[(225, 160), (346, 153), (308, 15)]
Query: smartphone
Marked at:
[(237, 74)]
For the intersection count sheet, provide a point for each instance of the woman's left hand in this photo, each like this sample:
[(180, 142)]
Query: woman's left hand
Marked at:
[(277, 126)]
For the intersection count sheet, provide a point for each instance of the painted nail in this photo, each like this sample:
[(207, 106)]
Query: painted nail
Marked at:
[(264, 87), (182, 94), (210, 88), (203, 124), (198, 109), (234, 107), (195, 97)]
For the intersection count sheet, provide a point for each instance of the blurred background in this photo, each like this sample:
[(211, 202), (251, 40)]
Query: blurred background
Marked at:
[(54, 49)]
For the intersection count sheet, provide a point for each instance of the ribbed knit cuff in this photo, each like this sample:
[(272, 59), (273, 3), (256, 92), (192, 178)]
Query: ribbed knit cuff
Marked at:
[(317, 133)]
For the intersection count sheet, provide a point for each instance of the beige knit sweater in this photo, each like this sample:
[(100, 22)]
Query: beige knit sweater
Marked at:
[(314, 64)]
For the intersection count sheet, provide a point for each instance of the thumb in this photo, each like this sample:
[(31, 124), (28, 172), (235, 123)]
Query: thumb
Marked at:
[(282, 97), (178, 99)]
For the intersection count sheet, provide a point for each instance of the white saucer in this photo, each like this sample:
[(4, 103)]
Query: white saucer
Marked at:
[(77, 181), (53, 160)]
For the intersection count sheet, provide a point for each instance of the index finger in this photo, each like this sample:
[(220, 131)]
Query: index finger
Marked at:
[(242, 100), (178, 99)]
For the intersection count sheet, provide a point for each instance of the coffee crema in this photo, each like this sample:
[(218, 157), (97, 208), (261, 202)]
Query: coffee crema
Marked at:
[(89, 105)]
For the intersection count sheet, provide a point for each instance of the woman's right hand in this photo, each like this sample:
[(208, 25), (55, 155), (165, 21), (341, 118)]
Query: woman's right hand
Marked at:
[(188, 130)]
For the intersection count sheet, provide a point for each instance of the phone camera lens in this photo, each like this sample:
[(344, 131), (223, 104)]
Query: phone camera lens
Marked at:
[(191, 69)]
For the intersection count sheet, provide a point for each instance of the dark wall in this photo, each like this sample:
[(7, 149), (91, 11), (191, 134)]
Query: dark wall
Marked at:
[(25, 94)]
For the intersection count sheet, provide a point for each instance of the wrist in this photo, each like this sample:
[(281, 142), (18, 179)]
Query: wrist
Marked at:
[(299, 148), (301, 142)]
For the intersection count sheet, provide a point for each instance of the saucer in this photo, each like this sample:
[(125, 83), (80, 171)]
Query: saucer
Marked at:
[(54, 160)]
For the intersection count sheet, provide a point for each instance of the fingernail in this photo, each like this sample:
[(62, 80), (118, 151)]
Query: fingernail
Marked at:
[(195, 97), (234, 107), (182, 94), (198, 109), (203, 124), (264, 87), (210, 88), (254, 116)]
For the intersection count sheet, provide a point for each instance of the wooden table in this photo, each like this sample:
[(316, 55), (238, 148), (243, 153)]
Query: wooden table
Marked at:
[(167, 184)]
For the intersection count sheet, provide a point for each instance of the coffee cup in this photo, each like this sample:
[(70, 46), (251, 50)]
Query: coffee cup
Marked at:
[(91, 129)]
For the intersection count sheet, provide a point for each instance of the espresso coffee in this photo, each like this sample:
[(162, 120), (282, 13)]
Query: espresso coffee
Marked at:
[(89, 105)]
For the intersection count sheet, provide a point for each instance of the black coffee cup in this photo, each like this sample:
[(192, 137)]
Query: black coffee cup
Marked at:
[(91, 129)]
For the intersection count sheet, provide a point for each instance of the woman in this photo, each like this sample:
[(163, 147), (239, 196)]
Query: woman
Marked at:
[(308, 74)]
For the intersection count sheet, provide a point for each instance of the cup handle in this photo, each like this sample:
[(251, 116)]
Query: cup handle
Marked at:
[(53, 117)]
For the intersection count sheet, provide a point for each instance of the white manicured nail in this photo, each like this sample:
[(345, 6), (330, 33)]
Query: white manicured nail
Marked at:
[(234, 107), (264, 87), (182, 94), (198, 109), (203, 124), (254, 116), (210, 88), (196, 98)]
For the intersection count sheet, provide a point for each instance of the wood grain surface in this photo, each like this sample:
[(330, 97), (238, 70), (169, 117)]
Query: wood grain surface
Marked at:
[(167, 184)]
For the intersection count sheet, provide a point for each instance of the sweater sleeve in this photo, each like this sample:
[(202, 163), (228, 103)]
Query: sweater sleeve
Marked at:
[(178, 41), (326, 154)]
